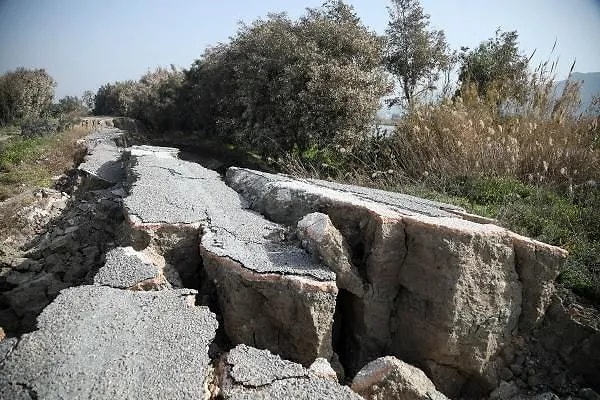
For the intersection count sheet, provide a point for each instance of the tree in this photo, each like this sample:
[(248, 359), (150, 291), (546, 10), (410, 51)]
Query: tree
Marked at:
[(283, 85), (115, 99), (155, 98), (495, 65), (70, 105), (25, 94), (415, 55), (88, 100)]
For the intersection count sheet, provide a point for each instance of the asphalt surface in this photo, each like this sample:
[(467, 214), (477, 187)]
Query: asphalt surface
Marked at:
[(165, 190), (259, 374), (98, 342), (307, 195), (398, 201), (171, 191), (103, 160), (124, 267)]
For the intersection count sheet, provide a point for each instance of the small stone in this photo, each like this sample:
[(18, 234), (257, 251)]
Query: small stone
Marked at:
[(521, 383), (516, 369), (534, 380), (508, 354), (506, 391), (520, 359), (71, 229), (55, 263), (588, 394), (60, 243), (17, 278), (505, 374), (322, 368), (57, 232), (391, 378)]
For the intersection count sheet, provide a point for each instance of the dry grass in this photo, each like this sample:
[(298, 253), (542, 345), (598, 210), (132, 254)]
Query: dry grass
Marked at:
[(469, 138)]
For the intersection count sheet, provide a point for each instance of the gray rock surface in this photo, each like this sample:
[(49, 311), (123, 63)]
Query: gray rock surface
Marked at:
[(249, 373), (125, 267), (102, 343), (321, 367)]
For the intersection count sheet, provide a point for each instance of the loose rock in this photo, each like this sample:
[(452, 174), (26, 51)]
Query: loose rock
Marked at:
[(390, 378)]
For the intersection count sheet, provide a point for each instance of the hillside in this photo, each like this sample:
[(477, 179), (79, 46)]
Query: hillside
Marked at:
[(590, 87)]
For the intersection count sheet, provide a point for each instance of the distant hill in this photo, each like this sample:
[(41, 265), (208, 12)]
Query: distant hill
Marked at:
[(589, 88)]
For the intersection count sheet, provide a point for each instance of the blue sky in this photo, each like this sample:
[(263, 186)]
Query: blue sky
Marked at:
[(86, 43)]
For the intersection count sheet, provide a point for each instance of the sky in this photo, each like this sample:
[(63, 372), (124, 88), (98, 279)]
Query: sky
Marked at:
[(86, 43)]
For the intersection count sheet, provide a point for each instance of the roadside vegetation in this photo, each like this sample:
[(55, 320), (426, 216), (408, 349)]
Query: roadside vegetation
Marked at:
[(37, 138)]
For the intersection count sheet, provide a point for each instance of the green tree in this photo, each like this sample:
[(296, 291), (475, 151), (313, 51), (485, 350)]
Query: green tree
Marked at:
[(496, 68), (25, 94), (281, 84), (155, 98), (415, 54), (115, 99), (70, 105), (88, 99)]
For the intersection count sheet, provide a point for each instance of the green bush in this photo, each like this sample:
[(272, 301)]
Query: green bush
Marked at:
[(284, 85), (36, 127), (25, 94)]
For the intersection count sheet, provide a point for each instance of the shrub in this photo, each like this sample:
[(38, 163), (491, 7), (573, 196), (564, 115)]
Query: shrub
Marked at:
[(35, 127), (155, 99), (115, 99), (25, 94), (282, 85)]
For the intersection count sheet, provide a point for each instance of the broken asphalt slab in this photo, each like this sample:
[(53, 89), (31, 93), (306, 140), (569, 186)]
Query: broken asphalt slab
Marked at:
[(103, 343), (181, 208), (249, 373), (125, 267), (103, 160)]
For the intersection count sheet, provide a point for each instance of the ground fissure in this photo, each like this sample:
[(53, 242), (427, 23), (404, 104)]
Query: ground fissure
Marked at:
[(175, 255)]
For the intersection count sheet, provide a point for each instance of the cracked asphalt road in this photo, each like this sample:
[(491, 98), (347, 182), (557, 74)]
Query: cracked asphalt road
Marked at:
[(102, 343)]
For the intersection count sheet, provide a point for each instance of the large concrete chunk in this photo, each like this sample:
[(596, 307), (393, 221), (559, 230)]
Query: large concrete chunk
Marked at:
[(249, 373), (538, 265), (321, 238), (388, 378), (102, 343), (459, 297), (289, 315), (441, 291), (189, 215)]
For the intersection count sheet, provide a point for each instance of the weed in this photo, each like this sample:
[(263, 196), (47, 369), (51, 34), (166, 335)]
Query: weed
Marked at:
[(27, 163)]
